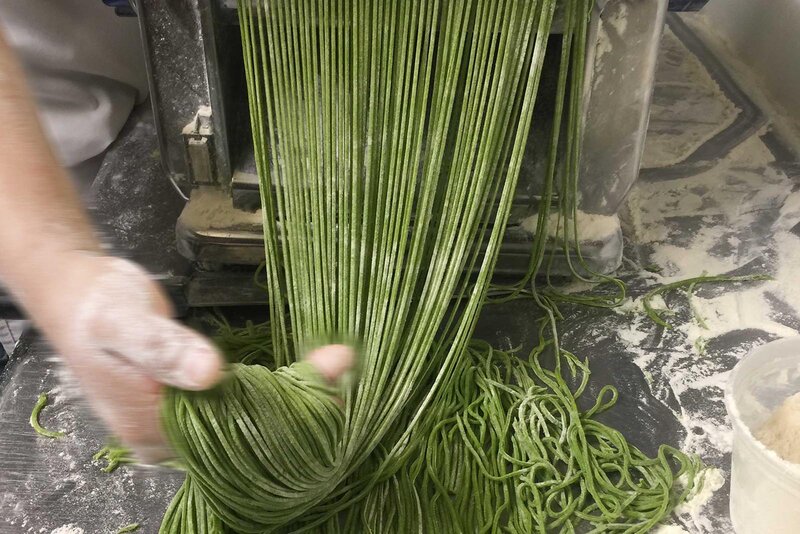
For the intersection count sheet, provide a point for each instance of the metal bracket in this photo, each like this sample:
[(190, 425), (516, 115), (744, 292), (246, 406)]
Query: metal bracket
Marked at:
[(198, 138)]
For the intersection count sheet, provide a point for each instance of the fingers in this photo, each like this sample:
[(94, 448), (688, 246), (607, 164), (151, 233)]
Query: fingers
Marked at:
[(332, 361), (111, 323), (170, 353), (126, 315), (128, 401)]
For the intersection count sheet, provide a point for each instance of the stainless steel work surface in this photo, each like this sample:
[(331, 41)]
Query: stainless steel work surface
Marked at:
[(45, 483)]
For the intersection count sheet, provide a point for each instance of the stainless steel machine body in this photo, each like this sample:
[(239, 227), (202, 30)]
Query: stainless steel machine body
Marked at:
[(200, 104)]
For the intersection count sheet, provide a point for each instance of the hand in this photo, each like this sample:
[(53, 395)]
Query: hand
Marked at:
[(112, 326), (107, 319), (111, 323)]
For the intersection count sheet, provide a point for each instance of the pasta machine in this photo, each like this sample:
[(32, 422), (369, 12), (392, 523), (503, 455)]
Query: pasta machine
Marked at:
[(198, 94)]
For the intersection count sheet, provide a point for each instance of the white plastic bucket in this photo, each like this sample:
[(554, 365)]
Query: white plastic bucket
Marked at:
[(765, 489)]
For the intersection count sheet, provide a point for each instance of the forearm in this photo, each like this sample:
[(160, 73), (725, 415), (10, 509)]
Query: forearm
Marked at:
[(42, 222)]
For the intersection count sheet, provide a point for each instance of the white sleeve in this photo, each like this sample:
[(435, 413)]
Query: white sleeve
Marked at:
[(85, 67)]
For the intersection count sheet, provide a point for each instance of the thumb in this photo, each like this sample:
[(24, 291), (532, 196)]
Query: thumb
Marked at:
[(331, 361), (165, 350), (125, 315)]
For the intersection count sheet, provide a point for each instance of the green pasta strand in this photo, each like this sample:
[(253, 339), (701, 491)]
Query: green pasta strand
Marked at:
[(41, 402), (389, 139), (114, 456), (689, 284)]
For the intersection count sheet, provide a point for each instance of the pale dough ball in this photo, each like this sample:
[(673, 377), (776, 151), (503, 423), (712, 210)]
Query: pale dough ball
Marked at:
[(781, 432)]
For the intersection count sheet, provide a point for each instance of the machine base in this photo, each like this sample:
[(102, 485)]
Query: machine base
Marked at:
[(211, 232)]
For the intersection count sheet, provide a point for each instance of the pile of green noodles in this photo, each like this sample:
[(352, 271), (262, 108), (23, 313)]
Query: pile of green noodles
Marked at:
[(389, 137)]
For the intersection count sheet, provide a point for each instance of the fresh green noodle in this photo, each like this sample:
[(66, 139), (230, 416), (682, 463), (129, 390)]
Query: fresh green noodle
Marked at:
[(114, 456), (389, 138), (689, 284), (41, 402)]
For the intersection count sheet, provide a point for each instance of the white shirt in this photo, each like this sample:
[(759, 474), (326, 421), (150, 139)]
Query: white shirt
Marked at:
[(85, 68)]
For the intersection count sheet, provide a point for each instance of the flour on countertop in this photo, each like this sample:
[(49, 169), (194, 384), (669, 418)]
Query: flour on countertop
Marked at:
[(731, 195), (591, 227), (737, 65), (787, 277), (735, 215), (731, 199), (710, 479), (686, 95), (67, 493)]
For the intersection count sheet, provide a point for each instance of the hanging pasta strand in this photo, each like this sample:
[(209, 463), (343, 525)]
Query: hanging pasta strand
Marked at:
[(389, 137)]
